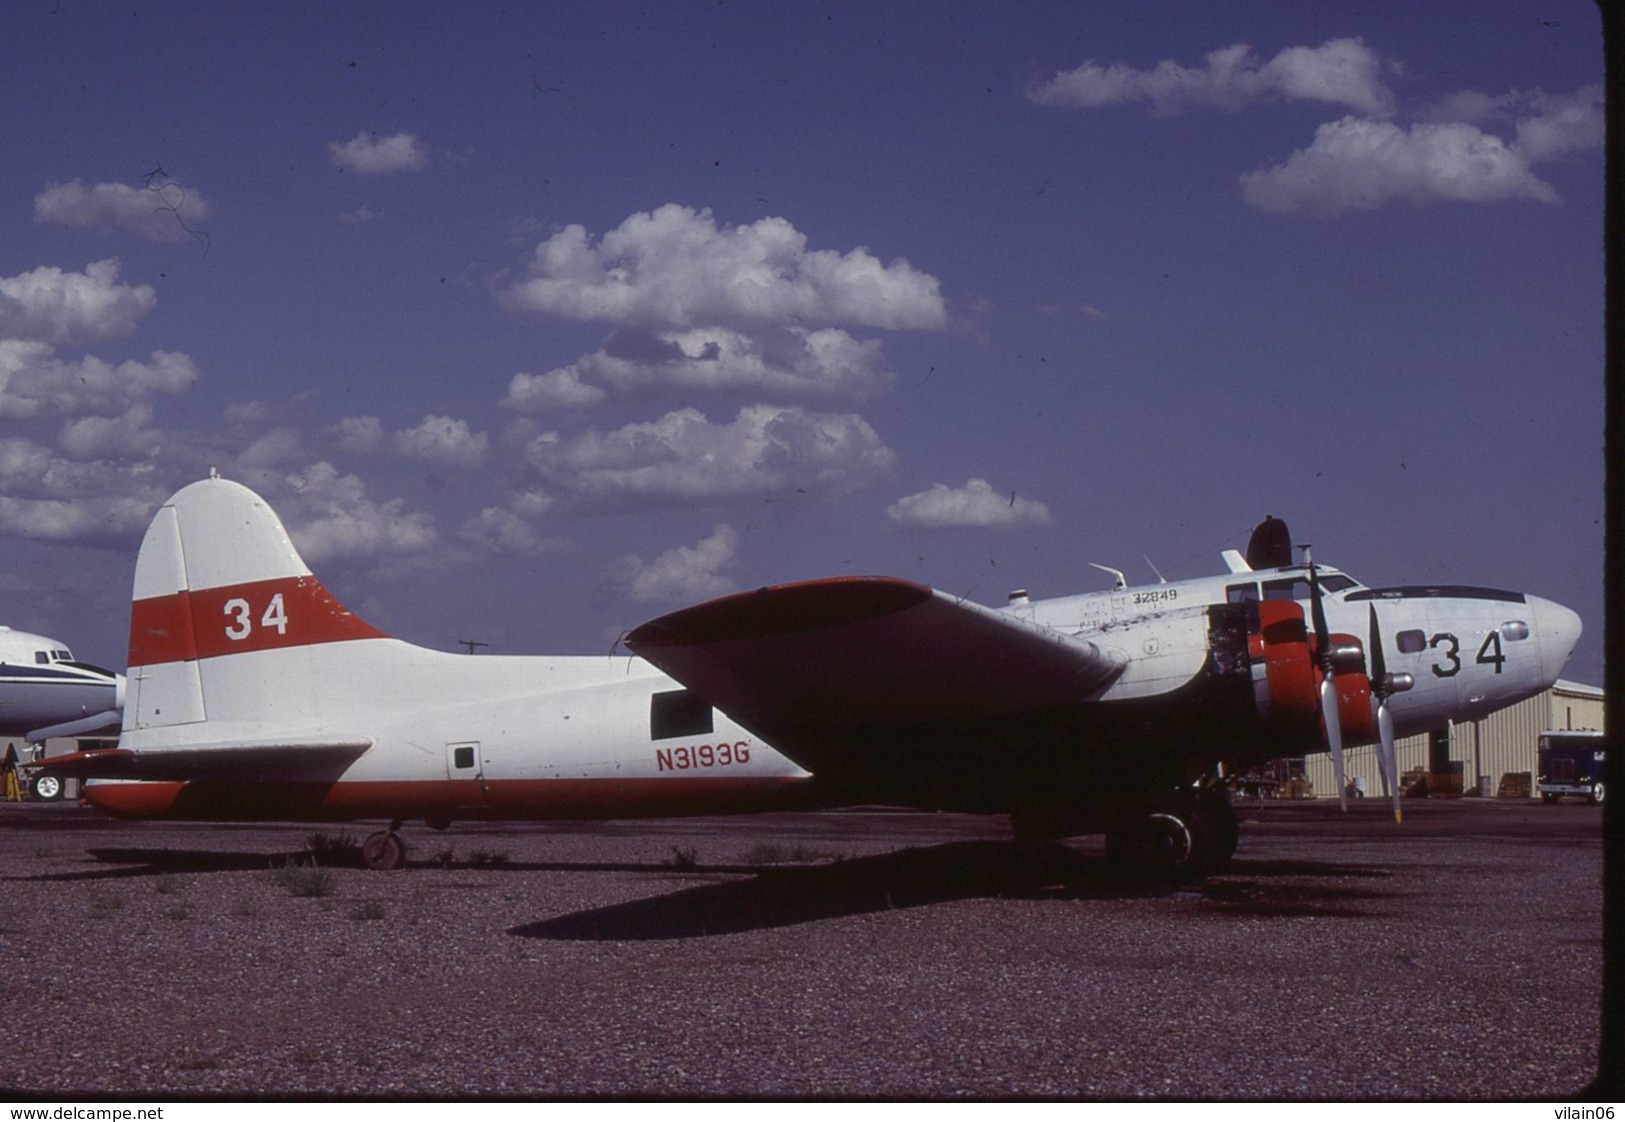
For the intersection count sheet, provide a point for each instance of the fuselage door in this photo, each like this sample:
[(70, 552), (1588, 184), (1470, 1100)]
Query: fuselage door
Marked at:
[(465, 770)]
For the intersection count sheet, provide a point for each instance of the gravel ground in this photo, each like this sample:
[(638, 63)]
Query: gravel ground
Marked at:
[(1454, 957)]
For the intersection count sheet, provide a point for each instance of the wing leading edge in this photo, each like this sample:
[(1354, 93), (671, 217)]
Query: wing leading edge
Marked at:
[(873, 651)]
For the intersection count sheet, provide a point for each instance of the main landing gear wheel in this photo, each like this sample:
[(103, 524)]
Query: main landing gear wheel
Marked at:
[(383, 850), (1155, 847), (1187, 837), (1596, 794), (48, 787)]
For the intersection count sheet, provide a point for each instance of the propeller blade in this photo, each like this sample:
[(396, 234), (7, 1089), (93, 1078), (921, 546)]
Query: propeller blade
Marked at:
[(1386, 756), (1317, 610), (1381, 687), (1329, 715), (1334, 735), (1379, 661)]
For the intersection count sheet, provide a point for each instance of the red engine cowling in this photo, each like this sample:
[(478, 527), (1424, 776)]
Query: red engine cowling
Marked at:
[(1287, 675)]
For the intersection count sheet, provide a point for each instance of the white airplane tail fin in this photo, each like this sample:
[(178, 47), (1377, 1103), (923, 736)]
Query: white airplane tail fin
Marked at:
[(220, 591)]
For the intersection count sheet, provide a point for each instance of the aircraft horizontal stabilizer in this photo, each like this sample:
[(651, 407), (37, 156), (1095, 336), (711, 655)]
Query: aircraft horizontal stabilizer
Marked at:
[(227, 760), (867, 650)]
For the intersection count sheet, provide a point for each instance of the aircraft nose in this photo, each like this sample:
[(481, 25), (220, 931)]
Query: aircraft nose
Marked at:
[(1559, 630)]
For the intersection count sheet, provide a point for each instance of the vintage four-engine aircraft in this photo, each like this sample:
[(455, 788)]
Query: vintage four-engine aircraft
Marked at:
[(254, 694)]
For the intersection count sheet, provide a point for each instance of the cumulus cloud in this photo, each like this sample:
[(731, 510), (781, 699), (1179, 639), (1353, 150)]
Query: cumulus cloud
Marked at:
[(1467, 147), (47, 497), (1339, 71), (125, 437), (360, 435), (685, 458), (106, 519), (1558, 124), (51, 305), (682, 574), (787, 362), (35, 383), (370, 154), (699, 306), (330, 515), (974, 506), (1450, 154), (107, 470), (112, 464), (162, 209), (443, 441), (504, 530), (675, 268), (1356, 164)]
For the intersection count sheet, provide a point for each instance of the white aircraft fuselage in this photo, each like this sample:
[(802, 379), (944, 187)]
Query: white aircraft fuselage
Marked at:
[(42, 687)]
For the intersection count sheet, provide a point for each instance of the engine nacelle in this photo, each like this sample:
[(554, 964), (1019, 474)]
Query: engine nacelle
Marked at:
[(1355, 712), (1286, 672)]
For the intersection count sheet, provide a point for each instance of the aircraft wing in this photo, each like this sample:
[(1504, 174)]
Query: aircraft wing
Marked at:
[(873, 651), (108, 720), (228, 759)]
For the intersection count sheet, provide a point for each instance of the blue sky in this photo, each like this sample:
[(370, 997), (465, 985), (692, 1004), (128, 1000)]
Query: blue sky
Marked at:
[(537, 321)]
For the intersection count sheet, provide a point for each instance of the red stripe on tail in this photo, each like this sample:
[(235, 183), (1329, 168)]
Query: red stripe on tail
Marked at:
[(258, 616)]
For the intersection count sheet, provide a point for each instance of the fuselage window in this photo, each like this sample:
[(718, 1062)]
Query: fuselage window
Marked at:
[(462, 756), (678, 713), (1411, 642)]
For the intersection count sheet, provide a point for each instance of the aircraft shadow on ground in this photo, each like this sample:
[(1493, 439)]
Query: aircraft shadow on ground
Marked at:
[(783, 897), (760, 897), (117, 863)]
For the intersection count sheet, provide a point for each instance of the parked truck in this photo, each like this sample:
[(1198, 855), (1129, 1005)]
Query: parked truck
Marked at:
[(1571, 764)]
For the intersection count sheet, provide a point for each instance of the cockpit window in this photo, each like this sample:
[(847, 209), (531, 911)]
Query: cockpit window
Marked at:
[(1513, 630), (42, 658), (1240, 593), (1297, 588)]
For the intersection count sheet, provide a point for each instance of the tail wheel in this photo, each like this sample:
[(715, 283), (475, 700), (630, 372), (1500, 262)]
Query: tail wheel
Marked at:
[(383, 850)]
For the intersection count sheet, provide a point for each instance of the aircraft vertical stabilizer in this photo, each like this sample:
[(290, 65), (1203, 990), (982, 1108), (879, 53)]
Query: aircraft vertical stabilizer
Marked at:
[(219, 590)]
